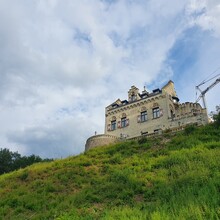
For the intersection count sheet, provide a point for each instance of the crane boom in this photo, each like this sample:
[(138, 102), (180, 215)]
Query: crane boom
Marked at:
[(202, 95), (211, 86)]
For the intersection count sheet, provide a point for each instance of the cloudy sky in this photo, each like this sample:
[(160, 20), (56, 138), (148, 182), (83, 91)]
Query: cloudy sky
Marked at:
[(63, 61)]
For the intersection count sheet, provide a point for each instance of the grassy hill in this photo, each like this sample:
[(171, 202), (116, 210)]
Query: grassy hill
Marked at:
[(167, 177)]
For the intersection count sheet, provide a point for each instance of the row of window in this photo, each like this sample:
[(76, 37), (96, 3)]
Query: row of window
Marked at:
[(141, 118), (155, 111), (121, 124)]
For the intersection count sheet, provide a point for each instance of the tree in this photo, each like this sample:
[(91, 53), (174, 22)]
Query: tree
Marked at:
[(216, 118), (7, 159), (10, 161)]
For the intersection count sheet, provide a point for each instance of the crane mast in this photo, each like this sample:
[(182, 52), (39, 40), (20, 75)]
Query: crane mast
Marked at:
[(202, 95)]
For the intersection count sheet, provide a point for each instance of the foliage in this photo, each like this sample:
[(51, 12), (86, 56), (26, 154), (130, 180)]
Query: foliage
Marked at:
[(217, 120), (190, 129), (153, 179), (142, 140), (10, 161)]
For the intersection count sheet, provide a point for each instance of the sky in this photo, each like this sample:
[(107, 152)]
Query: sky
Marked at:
[(63, 61)]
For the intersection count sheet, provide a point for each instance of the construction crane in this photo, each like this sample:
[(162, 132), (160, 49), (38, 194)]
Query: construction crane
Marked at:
[(203, 92)]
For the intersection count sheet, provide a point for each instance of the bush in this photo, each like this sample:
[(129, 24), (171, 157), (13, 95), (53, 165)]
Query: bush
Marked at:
[(190, 129), (217, 120), (24, 175), (142, 140)]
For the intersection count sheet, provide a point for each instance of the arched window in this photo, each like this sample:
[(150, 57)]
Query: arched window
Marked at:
[(172, 114), (143, 116), (113, 125), (124, 122)]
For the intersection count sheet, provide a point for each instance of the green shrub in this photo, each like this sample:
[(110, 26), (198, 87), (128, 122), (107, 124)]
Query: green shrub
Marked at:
[(143, 140), (50, 187), (24, 175), (217, 120), (190, 129)]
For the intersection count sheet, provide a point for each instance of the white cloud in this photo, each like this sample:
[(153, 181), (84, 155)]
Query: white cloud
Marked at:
[(62, 62), (206, 14)]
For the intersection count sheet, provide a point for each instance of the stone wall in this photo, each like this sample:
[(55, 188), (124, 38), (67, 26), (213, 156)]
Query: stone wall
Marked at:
[(133, 111), (171, 115), (100, 140)]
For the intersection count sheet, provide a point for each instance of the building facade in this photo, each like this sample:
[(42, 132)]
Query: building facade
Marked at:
[(147, 113)]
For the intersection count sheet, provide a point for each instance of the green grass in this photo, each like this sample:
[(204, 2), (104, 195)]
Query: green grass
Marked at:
[(169, 177)]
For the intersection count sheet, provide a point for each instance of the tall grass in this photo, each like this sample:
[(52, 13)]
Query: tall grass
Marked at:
[(159, 178)]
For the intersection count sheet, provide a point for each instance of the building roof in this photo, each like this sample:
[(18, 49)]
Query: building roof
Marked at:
[(168, 88), (144, 95)]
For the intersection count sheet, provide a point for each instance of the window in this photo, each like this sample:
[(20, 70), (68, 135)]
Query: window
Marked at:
[(113, 125), (172, 114), (156, 112), (143, 116), (123, 122), (144, 133), (156, 131), (133, 97)]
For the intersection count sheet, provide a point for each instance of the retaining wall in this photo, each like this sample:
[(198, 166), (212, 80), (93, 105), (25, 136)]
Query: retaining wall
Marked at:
[(100, 140)]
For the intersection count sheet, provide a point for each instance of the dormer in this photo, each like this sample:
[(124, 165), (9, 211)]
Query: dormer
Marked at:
[(116, 104), (118, 101), (133, 94), (144, 93)]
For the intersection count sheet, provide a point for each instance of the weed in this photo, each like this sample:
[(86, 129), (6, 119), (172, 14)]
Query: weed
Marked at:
[(190, 129), (153, 178), (24, 175), (142, 140)]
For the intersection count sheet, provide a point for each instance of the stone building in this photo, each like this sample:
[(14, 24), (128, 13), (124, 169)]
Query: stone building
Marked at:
[(145, 114)]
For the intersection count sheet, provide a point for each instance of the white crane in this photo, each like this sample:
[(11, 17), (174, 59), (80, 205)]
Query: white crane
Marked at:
[(203, 92)]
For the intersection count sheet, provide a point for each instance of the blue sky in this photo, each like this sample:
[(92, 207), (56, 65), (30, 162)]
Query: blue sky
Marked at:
[(63, 61)]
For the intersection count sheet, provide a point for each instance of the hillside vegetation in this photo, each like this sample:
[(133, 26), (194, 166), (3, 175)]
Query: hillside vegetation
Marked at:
[(166, 177), (10, 161)]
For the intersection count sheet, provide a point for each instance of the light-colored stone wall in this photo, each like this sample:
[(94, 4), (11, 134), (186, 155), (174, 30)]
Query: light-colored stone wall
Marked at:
[(169, 88), (182, 114), (133, 111), (100, 140)]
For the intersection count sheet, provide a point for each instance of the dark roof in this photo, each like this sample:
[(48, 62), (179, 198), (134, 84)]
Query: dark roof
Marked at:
[(124, 101), (156, 90), (142, 96)]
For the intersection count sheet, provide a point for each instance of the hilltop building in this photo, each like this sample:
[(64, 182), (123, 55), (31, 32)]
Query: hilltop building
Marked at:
[(145, 114)]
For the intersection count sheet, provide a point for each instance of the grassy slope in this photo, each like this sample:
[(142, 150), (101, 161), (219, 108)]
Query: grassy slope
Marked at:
[(154, 179)]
